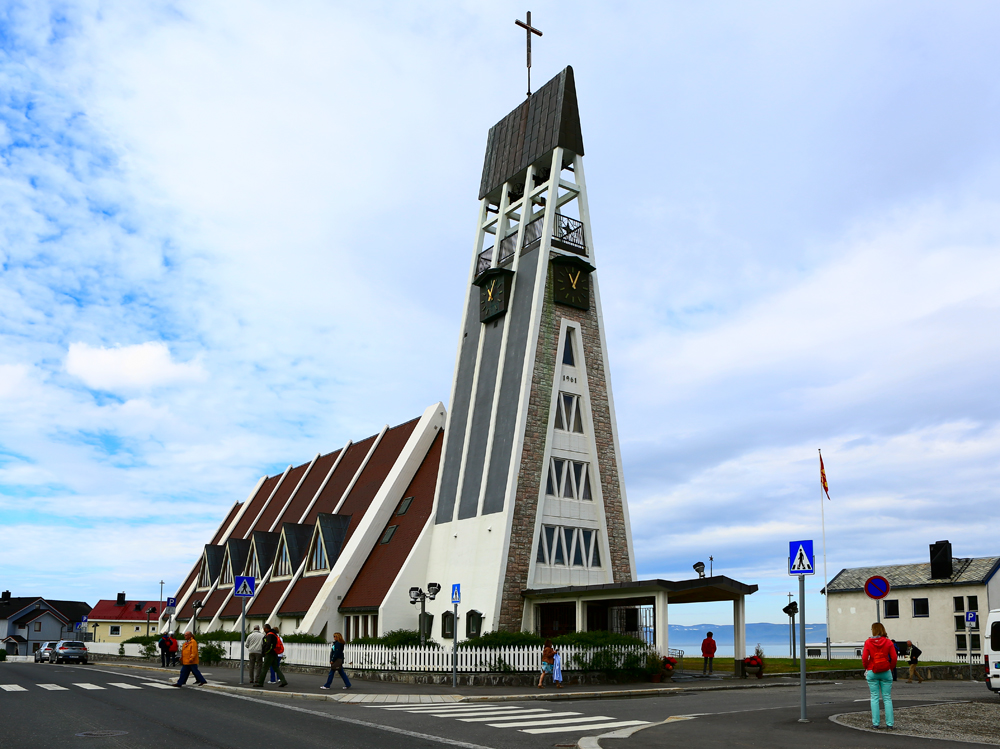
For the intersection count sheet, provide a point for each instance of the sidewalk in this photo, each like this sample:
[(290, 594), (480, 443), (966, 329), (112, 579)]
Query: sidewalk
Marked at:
[(307, 686)]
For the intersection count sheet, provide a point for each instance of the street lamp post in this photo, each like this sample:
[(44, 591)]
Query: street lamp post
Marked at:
[(418, 596), (150, 610), (160, 615)]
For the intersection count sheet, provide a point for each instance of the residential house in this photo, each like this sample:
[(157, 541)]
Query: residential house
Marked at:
[(120, 619), (27, 622)]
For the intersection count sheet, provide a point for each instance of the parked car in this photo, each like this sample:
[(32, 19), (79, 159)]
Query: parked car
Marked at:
[(68, 650), (44, 651), (991, 650)]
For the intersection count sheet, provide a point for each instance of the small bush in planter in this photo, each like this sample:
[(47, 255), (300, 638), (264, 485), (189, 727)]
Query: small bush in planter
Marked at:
[(211, 654)]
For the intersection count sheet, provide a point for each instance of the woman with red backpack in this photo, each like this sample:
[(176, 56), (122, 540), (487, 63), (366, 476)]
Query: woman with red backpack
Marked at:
[(879, 660)]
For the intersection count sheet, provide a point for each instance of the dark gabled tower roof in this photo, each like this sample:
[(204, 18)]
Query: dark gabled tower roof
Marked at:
[(550, 118), (239, 549), (333, 529), (297, 538), (213, 557)]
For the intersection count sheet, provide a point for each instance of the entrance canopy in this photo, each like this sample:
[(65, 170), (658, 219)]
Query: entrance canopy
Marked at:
[(638, 608)]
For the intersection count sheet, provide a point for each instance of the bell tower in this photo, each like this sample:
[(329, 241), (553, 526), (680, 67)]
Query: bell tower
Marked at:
[(530, 491)]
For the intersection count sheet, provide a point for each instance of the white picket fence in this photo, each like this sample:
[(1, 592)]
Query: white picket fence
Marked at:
[(381, 658)]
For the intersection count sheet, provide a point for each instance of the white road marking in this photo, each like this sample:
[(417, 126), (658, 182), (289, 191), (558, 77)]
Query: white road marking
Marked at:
[(436, 708), (619, 724), (157, 685), (530, 723), (122, 685), (88, 686), (12, 688), (496, 711), (532, 713), (52, 687)]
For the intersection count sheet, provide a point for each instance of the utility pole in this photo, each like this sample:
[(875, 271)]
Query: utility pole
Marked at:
[(160, 610)]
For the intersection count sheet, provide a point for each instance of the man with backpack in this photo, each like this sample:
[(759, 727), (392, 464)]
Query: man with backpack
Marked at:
[(879, 660), (271, 649), (172, 650), (164, 645)]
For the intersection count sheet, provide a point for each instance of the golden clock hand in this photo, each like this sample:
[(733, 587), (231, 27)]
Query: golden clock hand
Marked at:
[(574, 280), (489, 291)]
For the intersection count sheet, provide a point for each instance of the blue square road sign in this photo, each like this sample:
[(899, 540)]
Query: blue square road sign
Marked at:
[(456, 593), (244, 586), (970, 617), (800, 558)]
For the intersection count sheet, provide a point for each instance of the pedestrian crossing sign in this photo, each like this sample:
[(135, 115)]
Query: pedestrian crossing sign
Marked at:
[(456, 593), (243, 587), (800, 558)]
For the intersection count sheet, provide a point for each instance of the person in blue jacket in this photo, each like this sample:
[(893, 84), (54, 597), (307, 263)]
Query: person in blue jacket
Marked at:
[(337, 662)]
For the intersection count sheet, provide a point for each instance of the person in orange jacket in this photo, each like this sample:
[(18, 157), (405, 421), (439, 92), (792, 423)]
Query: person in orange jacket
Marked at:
[(189, 662)]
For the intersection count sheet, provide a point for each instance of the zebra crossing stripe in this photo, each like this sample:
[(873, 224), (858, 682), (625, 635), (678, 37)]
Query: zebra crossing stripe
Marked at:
[(439, 708), (547, 722), (482, 711), (536, 713), (122, 685), (156, 685), (87, 686), (52, 687), (12, 688), (559, 729)]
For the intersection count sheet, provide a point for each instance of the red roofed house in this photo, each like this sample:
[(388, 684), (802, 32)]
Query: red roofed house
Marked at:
[(119, 620)]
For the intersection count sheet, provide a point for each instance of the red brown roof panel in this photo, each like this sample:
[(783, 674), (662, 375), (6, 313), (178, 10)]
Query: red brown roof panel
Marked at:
[(280, 497), (338, 483), (213, 603), (302, 595), (243, 527), (217, 538), (386, 560), (267, 598), (309, 487)]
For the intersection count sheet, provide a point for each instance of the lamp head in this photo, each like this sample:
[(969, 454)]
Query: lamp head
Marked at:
[(699, 567), (432, 590), (414, 594)]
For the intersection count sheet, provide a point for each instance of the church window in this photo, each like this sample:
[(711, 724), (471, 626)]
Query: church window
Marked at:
[(473, 624), (447, 625), (283, 565), (568, 479), (254, 566), (317, 559), (404, 506), (568, 415), (568, 359), (565, 547), (205, 578), (389, 533), (227, 571)]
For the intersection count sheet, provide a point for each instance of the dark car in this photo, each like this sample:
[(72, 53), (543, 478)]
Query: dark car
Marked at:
[(44, 651), (68, 650)]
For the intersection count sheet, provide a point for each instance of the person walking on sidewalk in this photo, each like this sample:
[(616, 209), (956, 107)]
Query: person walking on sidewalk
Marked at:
[(269, 651), (879, 660), (548, 662), (164, 645), (254, 641), (915, 654), (557, 669), (337, 662), (173, 650), (708, 653), (189, 662)]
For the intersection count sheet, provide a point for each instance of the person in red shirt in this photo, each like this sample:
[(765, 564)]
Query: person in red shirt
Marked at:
[(708, 653), (879, 660)]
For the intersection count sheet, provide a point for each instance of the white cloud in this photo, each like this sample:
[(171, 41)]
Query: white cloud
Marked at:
[(137, 367)]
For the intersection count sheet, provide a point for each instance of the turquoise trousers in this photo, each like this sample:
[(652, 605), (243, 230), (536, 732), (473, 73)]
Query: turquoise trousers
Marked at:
[(880, 685)]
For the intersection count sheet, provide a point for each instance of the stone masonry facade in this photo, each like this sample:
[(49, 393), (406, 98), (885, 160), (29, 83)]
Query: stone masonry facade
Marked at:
[(532, 467)]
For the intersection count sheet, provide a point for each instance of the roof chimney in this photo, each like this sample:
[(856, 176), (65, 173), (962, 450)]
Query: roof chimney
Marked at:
[(5, 596), (121, 600), (941, 560)]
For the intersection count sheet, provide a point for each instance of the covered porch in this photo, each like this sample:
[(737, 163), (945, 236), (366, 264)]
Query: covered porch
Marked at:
[(637, 608)]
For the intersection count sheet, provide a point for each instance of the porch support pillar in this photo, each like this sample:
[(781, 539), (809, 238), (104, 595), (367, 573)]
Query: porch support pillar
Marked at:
[(739, 634), (660, 619), (581, 620)]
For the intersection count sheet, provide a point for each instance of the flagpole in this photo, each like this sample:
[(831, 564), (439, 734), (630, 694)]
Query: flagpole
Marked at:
[(826, 578)]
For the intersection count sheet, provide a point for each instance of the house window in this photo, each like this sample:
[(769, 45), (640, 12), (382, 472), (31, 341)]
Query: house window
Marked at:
[(473, 624), (317, 559), (357, 626), (374, 625), (347, 629), (920, 608), (138, 628), (404, 505), (960, 642), (973, 603), (975, 642), (568, 479), (891, 609), (568, 359), (568, 547), (389, 533), (568, 415), (38, 626), (960, 623), (115, 630), (283, 567), (447, 625), (959, 603), (364, 626)]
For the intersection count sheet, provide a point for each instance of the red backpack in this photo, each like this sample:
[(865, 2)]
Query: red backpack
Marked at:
[(279, 646), (880, 656)]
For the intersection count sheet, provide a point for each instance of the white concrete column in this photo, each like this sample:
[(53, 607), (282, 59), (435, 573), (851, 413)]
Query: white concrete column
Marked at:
[(581, 615), (739, 633), (661, 621)]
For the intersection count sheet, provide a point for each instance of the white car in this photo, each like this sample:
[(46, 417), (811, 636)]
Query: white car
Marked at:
[(991, 649)]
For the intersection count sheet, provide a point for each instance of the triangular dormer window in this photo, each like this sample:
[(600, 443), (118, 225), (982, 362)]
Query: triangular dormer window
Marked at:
[(205, 576), (227, 570), (317, 554), (282, 562), (253, 566)]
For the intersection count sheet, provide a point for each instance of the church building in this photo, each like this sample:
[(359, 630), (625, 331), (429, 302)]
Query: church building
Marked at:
[(515, 491)]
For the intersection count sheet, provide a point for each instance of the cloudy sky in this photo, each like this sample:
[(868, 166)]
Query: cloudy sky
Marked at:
[(235, 234)]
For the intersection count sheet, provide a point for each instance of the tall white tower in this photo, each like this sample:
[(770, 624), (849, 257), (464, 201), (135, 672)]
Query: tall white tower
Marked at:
[(530, 492)]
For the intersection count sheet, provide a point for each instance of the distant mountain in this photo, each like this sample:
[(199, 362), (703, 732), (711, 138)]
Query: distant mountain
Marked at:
[(762, 632)]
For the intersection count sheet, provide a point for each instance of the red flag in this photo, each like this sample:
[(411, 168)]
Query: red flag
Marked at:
[(822, 475)]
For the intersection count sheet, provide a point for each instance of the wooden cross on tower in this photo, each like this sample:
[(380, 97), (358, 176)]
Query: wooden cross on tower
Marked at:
[(528, 30)]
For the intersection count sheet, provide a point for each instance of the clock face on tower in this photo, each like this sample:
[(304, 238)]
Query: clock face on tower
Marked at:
[(494, 293), (571, 283)]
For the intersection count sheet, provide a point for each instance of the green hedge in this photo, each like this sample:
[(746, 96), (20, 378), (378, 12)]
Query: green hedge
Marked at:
[(503, 640), (143, 640), (304, 638), (3, 655)]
